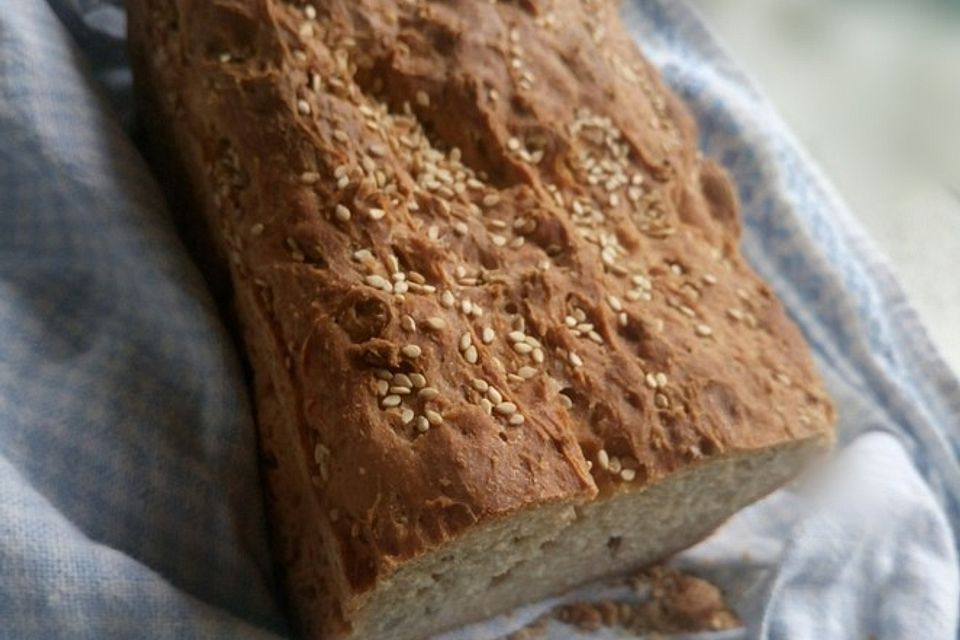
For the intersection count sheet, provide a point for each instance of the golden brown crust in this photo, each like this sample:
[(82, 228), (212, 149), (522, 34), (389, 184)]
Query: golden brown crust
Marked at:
[(484, 194)]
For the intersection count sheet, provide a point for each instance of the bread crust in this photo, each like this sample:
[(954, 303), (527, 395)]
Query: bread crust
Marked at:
[(420, 201)]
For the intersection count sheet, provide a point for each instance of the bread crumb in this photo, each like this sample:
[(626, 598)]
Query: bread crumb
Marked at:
[(677, 603)]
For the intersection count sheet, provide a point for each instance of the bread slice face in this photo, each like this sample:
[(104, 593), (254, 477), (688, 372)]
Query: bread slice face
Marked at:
[(501, 335)]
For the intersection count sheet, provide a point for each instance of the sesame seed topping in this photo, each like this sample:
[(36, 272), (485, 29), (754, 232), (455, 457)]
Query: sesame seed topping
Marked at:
[(256, 229), (486, 405), (465, 341), (628, 474), (391, 401), (376, 213), (402, 379), (516, 420), (704, 330), (491, 199), (471, 354), (615, 303), (303, 107), (428, 393), (423, 425), (565, 401), (538, 356), (406, 416), (494, 394), (383, 374), (436, 323), (423, 98), (709, 278), (433, 417), (341, 136), (575, 360), (447, 299), (418, 380), (603, 459), (488, 335), (309, 177), (661, 379), (382, 386), (513, 144), (526, 372), (411, 351), (400, 391), (661, 400), (517, 336), (480, 384), (651, 380), (379, 282), (408, 323), (522, 347), (342, 213), (505, 408)]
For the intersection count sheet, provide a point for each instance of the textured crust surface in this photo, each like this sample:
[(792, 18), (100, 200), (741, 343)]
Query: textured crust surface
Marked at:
[(478, 260)]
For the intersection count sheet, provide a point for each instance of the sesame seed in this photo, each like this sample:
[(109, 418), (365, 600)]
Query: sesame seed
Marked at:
[(505, 408), (565, 401), (310, 12), (494, 394), (341, 136), (603, 459), (704, 330), (408, 323), (383, 374), (461, 228), (309, 177), (661, 400), (379, 282), (362, 254), (402, 379), (661, 379), (400, 391), (303, 107), (465, 341), (480, 384), (516, 420), (498, 240), (375, 213), (382, 386), (486, 405), (466, 306), (709, 278), (406, 416), (447, 299), (522, 348), (735, 314), (538, 356), (517, 336), (615, 465), (488, 335), (418, 380), (391, 401), (491, 199), (411, 351), (471, 354), (401, 287), (377, 150), (575, 360), (423, 425), (436, 323), (783, 378), (596, 337), (342, 213), (628, 474), (513, 144), (526, 372), (428, 393), (615, 303), (423, 99), (256, 229), (651, 380), (433, 417)]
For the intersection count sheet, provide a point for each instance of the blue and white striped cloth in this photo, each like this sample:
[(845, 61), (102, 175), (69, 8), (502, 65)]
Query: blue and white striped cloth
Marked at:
[(129, 497)]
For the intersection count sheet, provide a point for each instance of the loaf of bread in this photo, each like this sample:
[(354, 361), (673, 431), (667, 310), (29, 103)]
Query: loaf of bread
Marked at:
[(501, 336)]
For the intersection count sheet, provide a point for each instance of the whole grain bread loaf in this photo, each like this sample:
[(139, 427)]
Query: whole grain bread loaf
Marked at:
[(501, 336)]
